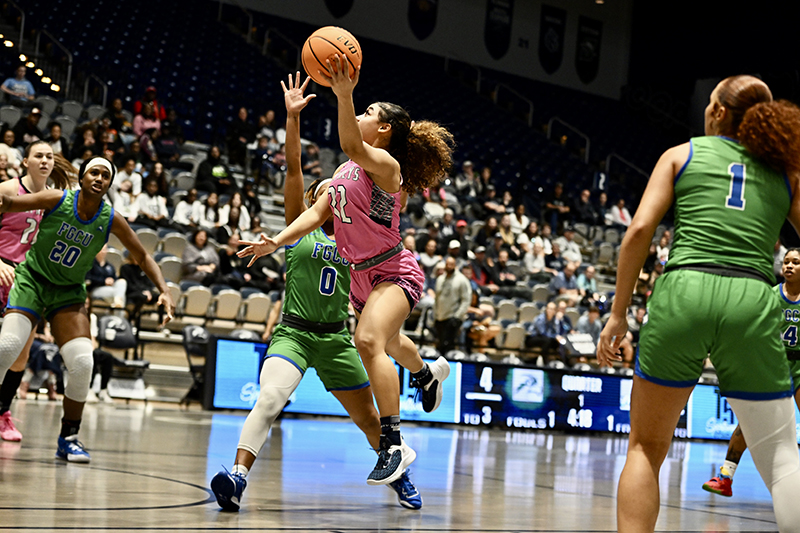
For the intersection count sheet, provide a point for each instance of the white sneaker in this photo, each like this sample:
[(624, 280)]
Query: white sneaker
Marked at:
[(104, 397), (392, 462), (432, 391)]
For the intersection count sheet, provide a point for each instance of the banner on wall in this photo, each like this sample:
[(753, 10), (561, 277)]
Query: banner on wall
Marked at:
[(497, 32), (422, 17), (587, 56), (339, 8), (551, 38)]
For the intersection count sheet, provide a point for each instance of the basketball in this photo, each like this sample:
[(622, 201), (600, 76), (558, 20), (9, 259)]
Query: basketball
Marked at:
[(322, 45)]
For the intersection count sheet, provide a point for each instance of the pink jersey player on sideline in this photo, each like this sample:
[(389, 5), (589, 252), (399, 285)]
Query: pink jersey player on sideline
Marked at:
[(17, 234), (390, 157)]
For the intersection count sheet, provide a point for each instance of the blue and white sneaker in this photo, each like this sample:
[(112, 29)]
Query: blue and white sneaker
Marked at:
[(392, 462), (71, 450), (407, 493), (228, 489)]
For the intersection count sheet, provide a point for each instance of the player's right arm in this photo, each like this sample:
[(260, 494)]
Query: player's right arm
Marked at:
[(47, 200), (293, 188)]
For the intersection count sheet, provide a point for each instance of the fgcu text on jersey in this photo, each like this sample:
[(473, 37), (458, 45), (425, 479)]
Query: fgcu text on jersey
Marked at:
[(328, 252), (73, 234)]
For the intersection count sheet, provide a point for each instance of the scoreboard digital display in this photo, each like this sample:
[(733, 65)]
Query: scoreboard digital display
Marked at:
[(479, 394)]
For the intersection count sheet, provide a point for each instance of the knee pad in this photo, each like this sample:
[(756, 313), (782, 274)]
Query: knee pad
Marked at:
[(78, 359), (13, 336)]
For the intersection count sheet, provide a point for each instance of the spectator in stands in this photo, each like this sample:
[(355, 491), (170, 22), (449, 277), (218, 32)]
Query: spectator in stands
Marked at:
[(78, 161), (569, 248), (547, 332), (588, 284), (562, 314), (171, 129), (636, 319), (209, 214), (555, 260), (262, 165), (4, 176), (453, 297), (547, 238), (140, 289), (565, 285), (250, 197), (486, 233), (466, 182), (583, 211), (124, 202), (119, 122), (240, 133), (13, 155), (590, 323), (145, 121), (129, 173), (102, 282), (536, 264), (555, 208), (506, 231), (213, 175), (620, 216), (519, 220), (410, 244), (428, 258), (19, 91), (135, 151), (230, 225), (253, 233), (232, 268), (447, 226), (167, 149), (462, 236), (58, 143), (103, 363), (454, 250), (87, 141), (529, 235), (490, 203), (485, 181), (662, 250), (200, 260), (188, 211), (484, 273), (152, 207), (27, 131), (235, 201), (268, 126), (163, 178), (150, 99), (507, 279), (603, 211), (310, 161)]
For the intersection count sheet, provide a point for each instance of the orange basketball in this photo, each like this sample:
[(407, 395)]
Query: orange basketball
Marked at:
[(322, 45)]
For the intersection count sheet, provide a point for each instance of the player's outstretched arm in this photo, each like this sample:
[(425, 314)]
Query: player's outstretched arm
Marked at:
[(46, 200), (123, 231), (293, 188)]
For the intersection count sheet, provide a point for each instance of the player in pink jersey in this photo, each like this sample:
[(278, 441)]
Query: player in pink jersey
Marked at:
[(17, 233), (390, 157)]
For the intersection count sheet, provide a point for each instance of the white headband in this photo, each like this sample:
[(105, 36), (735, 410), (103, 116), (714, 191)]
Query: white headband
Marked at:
[(319, 186), (102, 162)]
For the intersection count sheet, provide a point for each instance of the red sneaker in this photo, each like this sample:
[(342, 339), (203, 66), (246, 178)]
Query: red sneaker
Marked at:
[(720, 485), (7, 430)]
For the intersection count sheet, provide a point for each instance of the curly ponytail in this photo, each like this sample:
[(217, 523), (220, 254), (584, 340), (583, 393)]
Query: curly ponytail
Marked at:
[(424, 149), (771, 131)]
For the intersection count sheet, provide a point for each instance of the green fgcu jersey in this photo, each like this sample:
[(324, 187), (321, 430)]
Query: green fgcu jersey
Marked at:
[(67, 245), (317, 279)]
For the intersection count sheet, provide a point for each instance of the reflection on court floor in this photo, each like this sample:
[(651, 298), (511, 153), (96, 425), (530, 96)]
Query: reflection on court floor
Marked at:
[(151, 465)]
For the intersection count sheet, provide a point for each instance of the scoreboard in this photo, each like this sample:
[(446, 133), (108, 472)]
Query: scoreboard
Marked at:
[(478, 394)]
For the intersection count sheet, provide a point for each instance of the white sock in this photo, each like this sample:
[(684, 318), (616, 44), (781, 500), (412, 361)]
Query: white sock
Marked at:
[(240, 469), (728, 468)]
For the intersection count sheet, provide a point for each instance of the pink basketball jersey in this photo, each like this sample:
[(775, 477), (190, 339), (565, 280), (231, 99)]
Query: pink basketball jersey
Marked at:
[(366, 218), (18, 231)]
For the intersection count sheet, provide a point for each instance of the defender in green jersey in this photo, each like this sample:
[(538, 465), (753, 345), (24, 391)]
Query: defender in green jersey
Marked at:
[(50, 283), (788, 296), (731, 197), (312, 332)]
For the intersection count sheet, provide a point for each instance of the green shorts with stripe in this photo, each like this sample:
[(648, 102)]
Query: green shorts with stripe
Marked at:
[(33, 293), (735, 321), (333, 355)]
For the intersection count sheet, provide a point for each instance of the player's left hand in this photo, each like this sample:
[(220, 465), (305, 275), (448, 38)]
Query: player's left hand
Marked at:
[(293, 95), (611, 339), (165, 299)]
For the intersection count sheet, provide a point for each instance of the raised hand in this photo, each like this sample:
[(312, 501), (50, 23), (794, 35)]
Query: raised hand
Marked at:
[(293, 95), (339, 75), (257, 248)]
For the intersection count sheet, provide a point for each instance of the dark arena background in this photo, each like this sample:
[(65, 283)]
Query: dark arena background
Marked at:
[(560, 110)]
